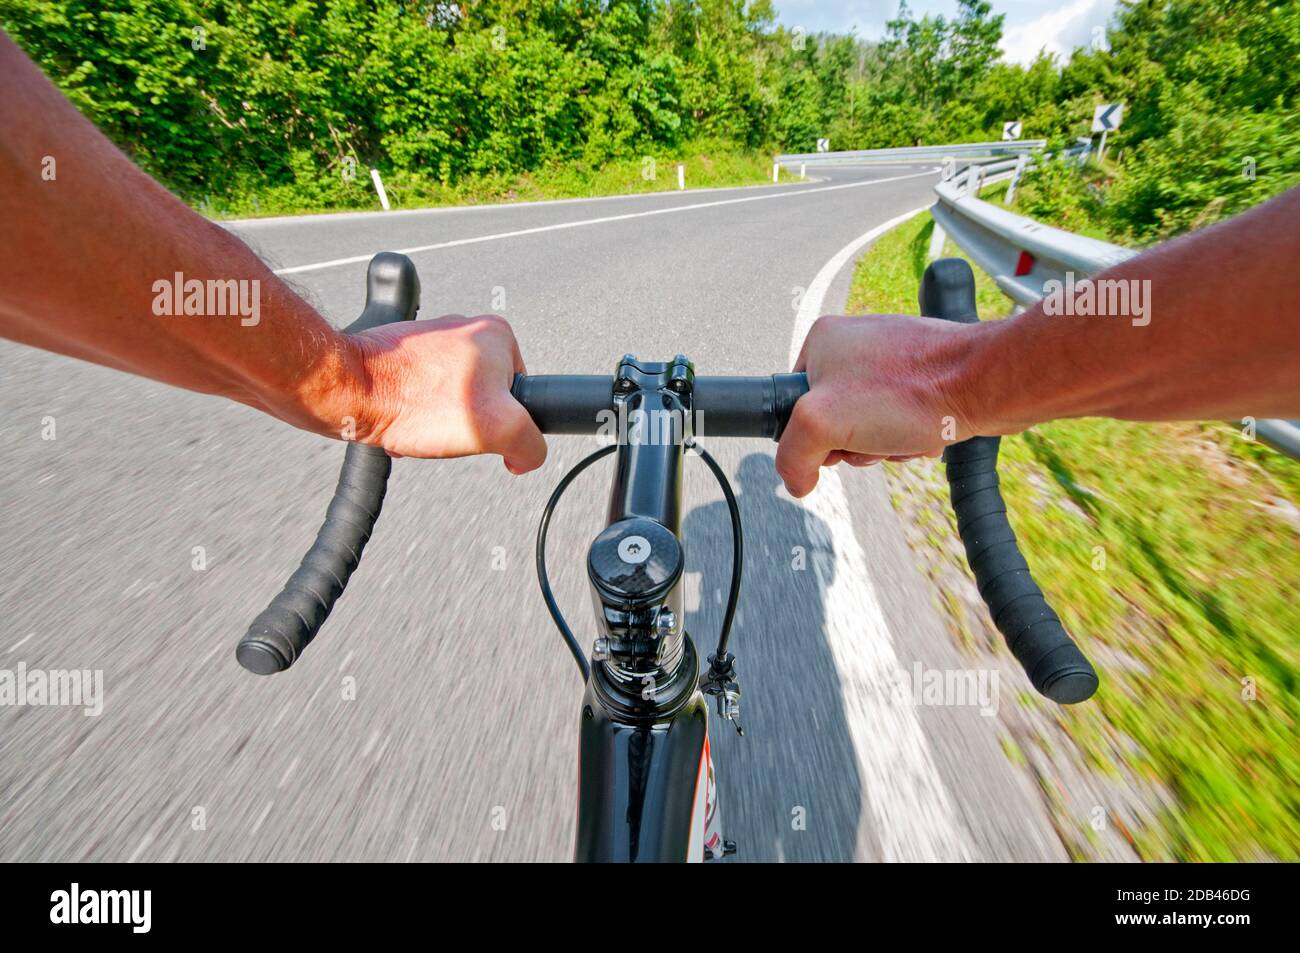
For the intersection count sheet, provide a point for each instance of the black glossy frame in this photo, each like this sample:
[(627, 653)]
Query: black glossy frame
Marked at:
[(639, 765)]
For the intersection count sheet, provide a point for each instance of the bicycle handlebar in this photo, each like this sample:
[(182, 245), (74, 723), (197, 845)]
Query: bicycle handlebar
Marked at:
[(721, 406), (1054, 663), (284, 629)]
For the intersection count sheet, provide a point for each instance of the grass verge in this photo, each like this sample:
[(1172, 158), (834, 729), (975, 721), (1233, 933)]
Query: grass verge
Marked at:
[(707, 165), (1171, 552)]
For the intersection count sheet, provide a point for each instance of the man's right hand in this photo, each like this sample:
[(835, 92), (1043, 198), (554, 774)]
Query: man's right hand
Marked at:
[(882, 387)]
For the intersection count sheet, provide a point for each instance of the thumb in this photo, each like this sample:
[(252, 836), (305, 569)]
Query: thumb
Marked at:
[(803, 448), (521, 444)]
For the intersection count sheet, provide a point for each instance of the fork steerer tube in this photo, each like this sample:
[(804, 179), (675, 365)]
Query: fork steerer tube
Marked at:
[(635, 565)]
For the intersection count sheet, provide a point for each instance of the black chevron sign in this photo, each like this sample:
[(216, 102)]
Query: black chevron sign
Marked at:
[(1107, 117)]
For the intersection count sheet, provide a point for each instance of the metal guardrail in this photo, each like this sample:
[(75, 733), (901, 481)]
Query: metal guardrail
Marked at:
[(998, 241), (963, 150), (995, 239), (1283, 435)]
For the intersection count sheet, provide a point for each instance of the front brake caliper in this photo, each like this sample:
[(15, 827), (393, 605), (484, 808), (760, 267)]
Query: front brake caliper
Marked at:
[(721, 681)]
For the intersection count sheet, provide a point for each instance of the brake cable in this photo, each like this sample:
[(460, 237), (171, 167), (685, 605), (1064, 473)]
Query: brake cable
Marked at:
[(737, 548), (551, 605), (721, 660)]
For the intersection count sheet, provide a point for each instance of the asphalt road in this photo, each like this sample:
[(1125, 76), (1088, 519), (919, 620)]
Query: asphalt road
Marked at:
[(435, 717)]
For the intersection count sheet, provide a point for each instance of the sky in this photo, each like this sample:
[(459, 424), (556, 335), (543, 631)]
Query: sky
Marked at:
[(1055, 25)]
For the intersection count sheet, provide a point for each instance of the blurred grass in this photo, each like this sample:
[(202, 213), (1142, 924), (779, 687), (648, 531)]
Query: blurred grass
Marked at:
[(709, 164), (1193, 530)]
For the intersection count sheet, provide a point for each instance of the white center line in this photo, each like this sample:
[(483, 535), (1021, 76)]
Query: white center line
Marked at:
[(914, 818), (498, 236), (262, 818), (144, 844), (20, 643), (285, 780)]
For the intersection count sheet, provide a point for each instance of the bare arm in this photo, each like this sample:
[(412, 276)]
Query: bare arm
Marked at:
[(90, 242), (1219, 339)]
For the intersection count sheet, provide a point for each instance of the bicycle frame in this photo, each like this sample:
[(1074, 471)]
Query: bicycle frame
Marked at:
[(645, 790)]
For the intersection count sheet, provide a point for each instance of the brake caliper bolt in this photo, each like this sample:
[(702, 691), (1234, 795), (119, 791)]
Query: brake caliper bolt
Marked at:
[(729, 705)]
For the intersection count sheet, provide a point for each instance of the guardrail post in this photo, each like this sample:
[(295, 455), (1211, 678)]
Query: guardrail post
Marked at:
[(937, 238), (1021, 163)]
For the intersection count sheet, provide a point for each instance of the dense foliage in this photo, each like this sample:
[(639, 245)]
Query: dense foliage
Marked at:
[(232, 97)]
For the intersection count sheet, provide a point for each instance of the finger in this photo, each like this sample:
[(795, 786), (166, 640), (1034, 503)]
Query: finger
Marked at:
[(520, 443), (861, 459), (803, 448), (853, 459)]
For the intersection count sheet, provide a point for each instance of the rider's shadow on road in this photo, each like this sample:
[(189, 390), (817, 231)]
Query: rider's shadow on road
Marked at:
[(789, 788)]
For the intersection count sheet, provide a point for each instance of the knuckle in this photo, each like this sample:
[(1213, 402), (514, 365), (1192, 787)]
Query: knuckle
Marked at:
[(810, 418), (819, 328)]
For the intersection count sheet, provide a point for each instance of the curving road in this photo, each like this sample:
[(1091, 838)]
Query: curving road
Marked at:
[(434, 719)]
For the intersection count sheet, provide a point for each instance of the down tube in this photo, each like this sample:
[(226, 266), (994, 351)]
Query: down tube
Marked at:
[(642, 788)]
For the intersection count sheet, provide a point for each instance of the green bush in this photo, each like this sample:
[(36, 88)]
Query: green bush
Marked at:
[(1208, 166), (1058, 192)]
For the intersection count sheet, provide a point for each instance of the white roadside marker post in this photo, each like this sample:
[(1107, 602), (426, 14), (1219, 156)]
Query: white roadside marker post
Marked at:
[(776, 171), (681, 176), (803, 170), (379, 187)]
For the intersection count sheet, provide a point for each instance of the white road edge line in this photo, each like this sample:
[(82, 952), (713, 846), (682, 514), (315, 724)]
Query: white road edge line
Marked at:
[(498, 236), (440, 210), (913, 813)]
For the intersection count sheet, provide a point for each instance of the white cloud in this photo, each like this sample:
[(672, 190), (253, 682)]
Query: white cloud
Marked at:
[(1059, 31), (1055, 25)]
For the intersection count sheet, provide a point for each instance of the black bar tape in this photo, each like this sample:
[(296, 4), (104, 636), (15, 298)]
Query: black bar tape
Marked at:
[(286, 627), (280, 634), (1033, 632)]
